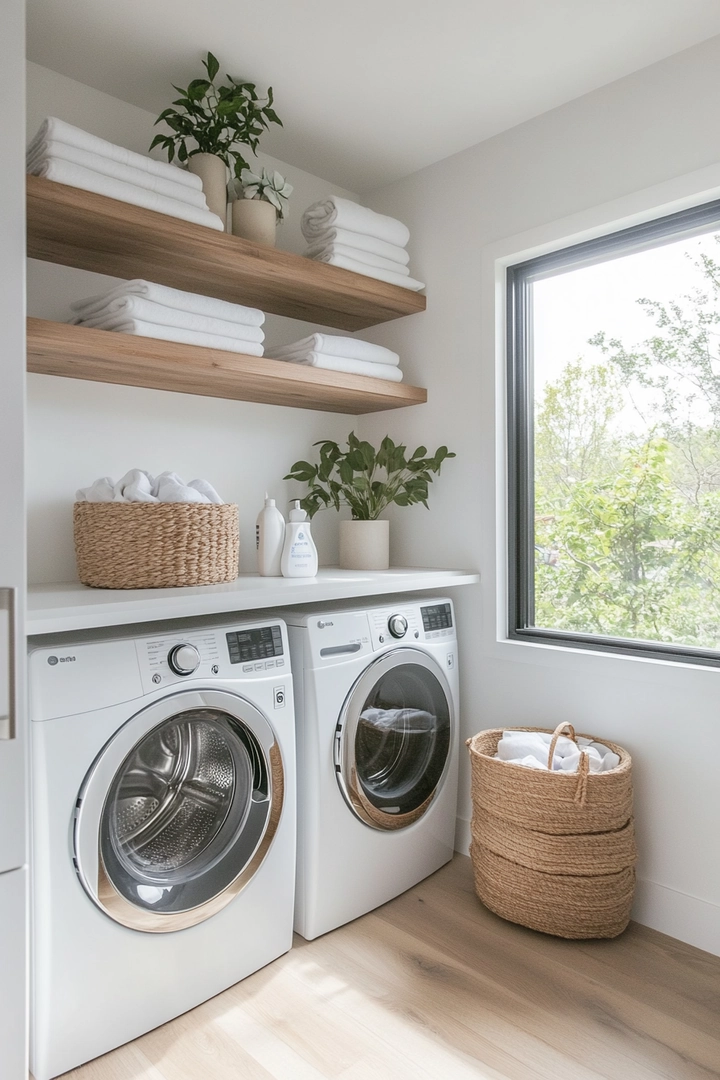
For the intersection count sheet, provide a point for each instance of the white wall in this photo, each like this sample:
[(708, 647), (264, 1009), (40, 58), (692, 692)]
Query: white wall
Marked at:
[(80, 430), (636, 133)]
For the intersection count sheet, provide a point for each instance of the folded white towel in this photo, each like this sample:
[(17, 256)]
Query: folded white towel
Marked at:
[(139, 486), (187, 337), (357, 255), (334, 345), (66, 172), (372, 271), (348, 365), (172, 298), (122, 308), (531, 748), (53, 150), (344, 214), (359, 242), (56, 130)]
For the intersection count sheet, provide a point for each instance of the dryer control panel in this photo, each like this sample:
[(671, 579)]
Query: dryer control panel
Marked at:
[(409, 624), (234, 652)]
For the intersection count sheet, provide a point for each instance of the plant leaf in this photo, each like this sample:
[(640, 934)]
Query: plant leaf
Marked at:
[(212, 66)]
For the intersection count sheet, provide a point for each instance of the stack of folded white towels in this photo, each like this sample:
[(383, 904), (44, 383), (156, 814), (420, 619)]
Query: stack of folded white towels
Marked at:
[(343, 233), (69, 155), (138, 486), (342, 354), (157, 311)]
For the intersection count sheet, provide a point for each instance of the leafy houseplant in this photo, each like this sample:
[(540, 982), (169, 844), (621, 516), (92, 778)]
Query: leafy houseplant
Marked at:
[(368, 481), (269, 187), (221, 121), (259, 203)]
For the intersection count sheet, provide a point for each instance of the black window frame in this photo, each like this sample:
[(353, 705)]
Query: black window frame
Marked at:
[(520, 428)]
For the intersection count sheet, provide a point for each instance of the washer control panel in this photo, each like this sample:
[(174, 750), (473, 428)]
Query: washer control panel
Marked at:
[(234, 652), (412, 623)]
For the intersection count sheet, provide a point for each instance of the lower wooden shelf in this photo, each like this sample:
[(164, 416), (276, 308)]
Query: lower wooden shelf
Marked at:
[(77, 352)]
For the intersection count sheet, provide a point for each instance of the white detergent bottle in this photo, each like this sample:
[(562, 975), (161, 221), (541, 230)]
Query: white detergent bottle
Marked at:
[(269, 539), (299, 557)]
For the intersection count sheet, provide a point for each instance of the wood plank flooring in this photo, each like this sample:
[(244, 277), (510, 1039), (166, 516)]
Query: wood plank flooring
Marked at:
[(432, 986)]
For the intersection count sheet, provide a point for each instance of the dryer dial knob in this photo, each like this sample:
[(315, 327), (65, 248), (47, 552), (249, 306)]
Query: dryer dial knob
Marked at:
[(184, 659), (397, 625)]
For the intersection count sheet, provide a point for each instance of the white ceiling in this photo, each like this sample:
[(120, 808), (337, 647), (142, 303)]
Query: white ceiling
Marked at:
[(372, 90)]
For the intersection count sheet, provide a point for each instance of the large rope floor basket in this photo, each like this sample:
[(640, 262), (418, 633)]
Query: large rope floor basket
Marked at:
[(553, 851), (155, 545)]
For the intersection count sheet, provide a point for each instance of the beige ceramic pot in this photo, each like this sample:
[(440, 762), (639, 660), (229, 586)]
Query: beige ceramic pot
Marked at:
[(254, 219), (212, 171), (364, 545)]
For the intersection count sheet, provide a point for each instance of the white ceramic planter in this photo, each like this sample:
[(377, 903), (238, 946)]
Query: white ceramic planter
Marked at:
[(364, 545), (212, 171), (254, 219)]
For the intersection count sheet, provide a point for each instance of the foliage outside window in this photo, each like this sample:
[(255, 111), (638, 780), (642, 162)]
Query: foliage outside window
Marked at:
[(615, 441)]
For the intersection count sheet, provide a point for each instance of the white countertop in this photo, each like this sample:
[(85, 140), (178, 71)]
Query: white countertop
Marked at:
[(71, 606)]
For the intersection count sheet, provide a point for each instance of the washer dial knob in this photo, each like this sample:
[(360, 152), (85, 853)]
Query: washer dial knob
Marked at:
[(397, 625), (184, 659)]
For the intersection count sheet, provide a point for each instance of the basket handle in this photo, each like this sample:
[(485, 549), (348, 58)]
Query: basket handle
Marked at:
[(583, 765)]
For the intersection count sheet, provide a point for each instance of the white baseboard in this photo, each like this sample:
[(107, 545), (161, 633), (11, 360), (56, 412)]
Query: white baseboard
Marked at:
[(677, 914), (462, 836)]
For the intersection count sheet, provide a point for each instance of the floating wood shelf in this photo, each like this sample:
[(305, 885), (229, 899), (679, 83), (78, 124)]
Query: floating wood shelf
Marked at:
[(77, 352), (78, 228)]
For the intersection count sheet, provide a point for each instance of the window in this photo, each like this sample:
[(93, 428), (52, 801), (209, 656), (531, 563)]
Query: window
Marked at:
[(614, 441)]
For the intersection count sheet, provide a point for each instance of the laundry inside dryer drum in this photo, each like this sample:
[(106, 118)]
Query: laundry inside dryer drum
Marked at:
[(402, 740), (185, 812)]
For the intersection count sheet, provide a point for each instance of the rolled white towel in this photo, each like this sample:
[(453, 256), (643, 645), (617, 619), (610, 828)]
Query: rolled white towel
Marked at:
[(53, 130), (173, 298), (360, 242), (372, 271), (348, 365), (170, 188), (102, 490), (188, 337), (357, 255), (335, 212), (335, 345), (122, 308), (66, 172), (520, 747), (139, 486)]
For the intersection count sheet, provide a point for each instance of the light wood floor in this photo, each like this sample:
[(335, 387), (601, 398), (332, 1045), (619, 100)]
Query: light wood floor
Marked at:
[(434, 986)]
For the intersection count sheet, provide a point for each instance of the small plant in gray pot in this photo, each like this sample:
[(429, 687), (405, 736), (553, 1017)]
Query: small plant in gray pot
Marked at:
[(368, 481), (211, 126), (259, 202)]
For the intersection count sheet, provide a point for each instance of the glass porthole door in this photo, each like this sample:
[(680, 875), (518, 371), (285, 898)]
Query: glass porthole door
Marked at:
[(179, 810), (393, 739)]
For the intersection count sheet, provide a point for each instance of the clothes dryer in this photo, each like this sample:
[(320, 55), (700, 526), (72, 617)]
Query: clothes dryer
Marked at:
[(377, 727), (163, 834)]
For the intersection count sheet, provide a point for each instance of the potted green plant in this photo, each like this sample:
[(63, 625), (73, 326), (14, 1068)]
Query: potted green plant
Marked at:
[(367, 481), (211, 125), (258, 204)]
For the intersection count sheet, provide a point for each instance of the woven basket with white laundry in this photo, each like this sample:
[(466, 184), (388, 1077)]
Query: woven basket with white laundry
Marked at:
[(155, 545), (554, 851)]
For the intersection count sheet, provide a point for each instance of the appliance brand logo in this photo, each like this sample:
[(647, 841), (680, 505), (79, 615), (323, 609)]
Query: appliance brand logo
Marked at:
[(322, 625), (53, 660)]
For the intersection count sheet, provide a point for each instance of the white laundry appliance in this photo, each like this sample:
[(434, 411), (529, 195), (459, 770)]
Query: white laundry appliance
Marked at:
[(163, 831), (377, 722)]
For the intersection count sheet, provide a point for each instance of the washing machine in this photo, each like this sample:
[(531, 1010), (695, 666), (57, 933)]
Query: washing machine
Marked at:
[(377, 726), (163, 827)]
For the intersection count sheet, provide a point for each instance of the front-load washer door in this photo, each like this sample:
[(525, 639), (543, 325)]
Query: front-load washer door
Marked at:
[(179, 810), (393, 739)]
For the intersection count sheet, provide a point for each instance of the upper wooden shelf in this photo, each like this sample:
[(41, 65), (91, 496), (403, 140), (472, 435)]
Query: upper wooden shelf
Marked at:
[(77, 352), (78, 228)]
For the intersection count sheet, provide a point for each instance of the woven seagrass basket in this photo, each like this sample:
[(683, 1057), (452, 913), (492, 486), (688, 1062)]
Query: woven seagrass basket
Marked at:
[(155, 545), (553, 851)]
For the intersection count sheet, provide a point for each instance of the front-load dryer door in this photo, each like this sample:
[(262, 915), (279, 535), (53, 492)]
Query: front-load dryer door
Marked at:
[(179, 810), (394, 738)]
